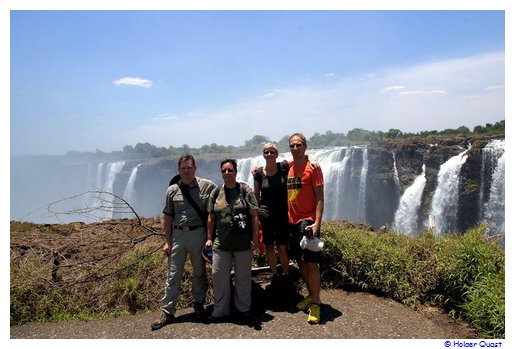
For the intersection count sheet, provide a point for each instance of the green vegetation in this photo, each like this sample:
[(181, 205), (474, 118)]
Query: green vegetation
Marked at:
[(354, 136), (462, 274)]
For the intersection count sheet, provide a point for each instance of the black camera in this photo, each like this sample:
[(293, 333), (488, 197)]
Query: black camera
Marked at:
[(240, 220), (304, 230)]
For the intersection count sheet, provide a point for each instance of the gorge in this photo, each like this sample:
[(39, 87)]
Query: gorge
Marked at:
[(450, 185)]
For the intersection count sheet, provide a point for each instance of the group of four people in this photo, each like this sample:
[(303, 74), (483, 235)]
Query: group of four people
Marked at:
[(287, 200)]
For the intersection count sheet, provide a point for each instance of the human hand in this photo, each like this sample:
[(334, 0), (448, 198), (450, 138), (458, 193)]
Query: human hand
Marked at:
[(166, 249)]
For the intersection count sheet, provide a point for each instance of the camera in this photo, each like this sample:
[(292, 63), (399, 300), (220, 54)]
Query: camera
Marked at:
[(309, 241), (304, 230), (240, 220), (314, 244)]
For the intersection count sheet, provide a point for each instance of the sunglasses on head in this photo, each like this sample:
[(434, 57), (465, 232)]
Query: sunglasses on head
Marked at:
[(267, 152), (225, 170), (296, 145)]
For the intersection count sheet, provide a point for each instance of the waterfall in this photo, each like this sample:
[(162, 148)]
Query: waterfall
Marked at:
[(406, 216), (444, 206), (490, 155), (245, 166), (362, 207), (396, 176), (494, 209), (102, 205), (112, 170), (130, 190), (332, 168)]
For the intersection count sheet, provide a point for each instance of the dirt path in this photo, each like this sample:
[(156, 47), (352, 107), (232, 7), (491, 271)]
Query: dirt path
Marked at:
[(345, 315)]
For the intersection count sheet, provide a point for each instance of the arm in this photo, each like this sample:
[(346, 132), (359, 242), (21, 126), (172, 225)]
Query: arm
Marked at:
[(211, 219), (319, 197), (167, 227), (257, 191), (255, 228)]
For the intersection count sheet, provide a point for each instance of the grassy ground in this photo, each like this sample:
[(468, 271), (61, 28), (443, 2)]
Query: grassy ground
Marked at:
[(117, 267)]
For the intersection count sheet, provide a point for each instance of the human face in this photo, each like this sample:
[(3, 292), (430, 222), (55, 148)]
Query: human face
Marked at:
[(270, 153), (297, 148), (228, 173), (187, 171)]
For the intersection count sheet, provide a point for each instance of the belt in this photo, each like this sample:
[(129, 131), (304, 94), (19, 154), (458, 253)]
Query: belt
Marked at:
[(187, 228)]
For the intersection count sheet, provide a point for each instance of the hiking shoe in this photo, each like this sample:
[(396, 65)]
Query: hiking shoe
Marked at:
[(165, 319), (314, 314), (199, 309), (245, 315), (304, 304)]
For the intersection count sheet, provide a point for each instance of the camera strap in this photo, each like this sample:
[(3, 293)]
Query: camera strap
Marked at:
[(186, 193), (241, 193)]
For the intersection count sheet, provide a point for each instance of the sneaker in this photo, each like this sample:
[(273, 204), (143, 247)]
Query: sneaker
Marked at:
[(165, 319), (314, 314), (304, 304)]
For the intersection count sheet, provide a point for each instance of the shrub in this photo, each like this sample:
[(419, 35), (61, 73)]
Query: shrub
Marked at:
[(463, 274)]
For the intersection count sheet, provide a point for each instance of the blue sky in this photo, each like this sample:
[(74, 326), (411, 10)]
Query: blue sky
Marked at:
[(87, 80)]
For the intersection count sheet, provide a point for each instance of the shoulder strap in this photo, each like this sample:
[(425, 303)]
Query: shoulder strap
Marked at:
[(175, 179), (242, 191), (186, 193), (216, 191)]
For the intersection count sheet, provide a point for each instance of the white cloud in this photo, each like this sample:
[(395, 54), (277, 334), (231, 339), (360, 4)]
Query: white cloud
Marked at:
[(165, 117), (133, 81), (392, 88), (444, 91), (494, 87), (412, 93)]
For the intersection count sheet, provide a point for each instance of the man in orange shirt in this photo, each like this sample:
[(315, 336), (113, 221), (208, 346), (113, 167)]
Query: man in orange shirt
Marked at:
[(305, 208)]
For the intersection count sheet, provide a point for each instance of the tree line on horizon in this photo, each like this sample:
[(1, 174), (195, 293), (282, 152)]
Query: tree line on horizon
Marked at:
[(318, 140)]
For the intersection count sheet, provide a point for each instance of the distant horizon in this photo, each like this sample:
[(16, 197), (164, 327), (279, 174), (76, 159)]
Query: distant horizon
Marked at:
[(107, 79), (236, 146)]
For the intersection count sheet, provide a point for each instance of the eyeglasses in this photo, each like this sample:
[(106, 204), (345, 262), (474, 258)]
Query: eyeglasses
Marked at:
[(269, 152), (296, 145), (225, 170)]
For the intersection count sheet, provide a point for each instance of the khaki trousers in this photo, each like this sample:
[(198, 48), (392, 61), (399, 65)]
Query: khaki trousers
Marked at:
[(185, 243), (222, 264)]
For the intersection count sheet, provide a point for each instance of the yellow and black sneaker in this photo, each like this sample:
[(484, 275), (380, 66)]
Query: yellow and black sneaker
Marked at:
[(314, 314), (304, 304)]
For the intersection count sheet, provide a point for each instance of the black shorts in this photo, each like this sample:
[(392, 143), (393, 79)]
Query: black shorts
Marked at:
[(294, 250), (275, 230)]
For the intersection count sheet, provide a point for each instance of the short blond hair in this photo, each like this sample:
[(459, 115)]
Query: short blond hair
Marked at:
[(271, 145)]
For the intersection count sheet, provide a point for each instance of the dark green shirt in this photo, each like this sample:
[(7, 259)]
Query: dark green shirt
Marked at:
[(232, 234)]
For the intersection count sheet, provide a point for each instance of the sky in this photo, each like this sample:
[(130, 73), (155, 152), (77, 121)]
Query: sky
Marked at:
[(88, 80), (81, 79)]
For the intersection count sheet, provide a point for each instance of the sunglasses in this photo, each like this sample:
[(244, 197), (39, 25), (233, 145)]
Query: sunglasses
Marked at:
[(269, 152), (296, 145), (229, 170)]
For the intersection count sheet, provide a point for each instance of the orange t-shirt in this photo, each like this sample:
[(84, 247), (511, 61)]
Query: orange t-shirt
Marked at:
[(302, 181)]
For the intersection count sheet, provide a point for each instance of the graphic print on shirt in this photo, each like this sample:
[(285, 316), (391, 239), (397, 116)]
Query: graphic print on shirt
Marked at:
[(294, 186)]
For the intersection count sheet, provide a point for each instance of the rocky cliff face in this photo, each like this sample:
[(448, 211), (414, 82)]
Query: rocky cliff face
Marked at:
[(363, 184)]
